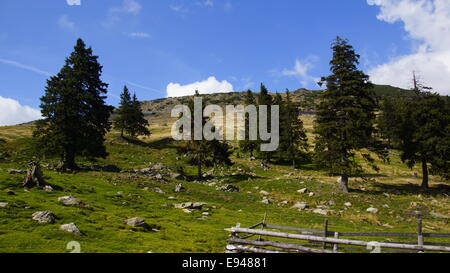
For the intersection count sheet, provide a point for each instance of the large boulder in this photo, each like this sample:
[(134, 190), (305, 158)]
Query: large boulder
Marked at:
[(70, 201), (136, 222), (229, 188), (44, 217), (300, 206), (71, 228)]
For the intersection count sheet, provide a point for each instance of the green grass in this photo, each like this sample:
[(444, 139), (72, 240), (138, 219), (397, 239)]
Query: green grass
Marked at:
[(104, 230)]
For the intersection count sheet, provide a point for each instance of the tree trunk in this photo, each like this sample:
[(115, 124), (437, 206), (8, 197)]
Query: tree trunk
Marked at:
[(69, 162), (344, 183), (293, 163), (424, 174), (199, 170)]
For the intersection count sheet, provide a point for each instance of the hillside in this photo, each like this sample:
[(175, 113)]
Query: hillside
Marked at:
[(112, 197)]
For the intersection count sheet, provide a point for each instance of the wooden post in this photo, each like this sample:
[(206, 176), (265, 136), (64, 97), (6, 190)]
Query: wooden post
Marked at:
[(325, 233), (263, 224), (420, 240), (336, 246)]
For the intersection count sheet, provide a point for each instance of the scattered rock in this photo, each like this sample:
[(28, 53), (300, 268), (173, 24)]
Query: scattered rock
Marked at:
[(188, 211), (177, 176), (372, 210), (3, 205), (10, 192), (386, 206), (229, 188), (264, 193), (439, 215), (70, 201), (348, 204), (331, 203), (300, 206), (136, 222), (206, 214), (320, 211), (158, 190), (48, 188), (172, 198), (159, 176), (71, 228), (311, 194), (179, 188), (303, 191), (190, 205), (13, 171), (46, 217), (265, 201)]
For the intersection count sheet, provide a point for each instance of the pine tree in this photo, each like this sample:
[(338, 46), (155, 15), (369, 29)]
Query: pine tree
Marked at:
[(247, 145), (130, 118), (422, 130), (124, 112), (345, 115), (293, 139), (265, 99), (76, 117)]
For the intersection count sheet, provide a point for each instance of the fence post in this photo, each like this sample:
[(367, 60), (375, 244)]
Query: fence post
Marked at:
[(336, 246), (325, 233), (420, 240)]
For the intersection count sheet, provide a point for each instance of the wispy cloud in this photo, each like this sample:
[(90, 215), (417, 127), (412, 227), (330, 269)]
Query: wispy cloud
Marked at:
[(139, 35), (128, 6), (178, 8), (144, 87), (25, 67), (301, 71), (64, 22)]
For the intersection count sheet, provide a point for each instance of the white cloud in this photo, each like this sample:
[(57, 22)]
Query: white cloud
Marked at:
[(178, 8), (301, 71), (128, 6), (428, 24), (209, 86), (64, 22), (12, 112), (139, 35), (26, 67), (73, 2)]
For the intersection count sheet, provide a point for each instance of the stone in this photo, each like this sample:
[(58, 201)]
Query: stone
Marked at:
[(339, 180), (348, 204), (70, 201), (206, 214), (311, 194), (44, 217), (331, 203), (439, 215), (263, 193), (190, 205), (320, 211), (48, 188), (179, 188), (188, 211), (300, 206), (158, 190), (10, 192), (136, 222), (229, 188), (303, 191), (71, 228), (3, 205), (176, 176), (265, 201), (372, 210), (159, 176), (172, 198), (386, 206)]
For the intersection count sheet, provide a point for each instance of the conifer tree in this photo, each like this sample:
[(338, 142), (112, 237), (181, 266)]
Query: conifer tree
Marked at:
[(345, 115), (265, 99), (247, 145), (76, 117), (139, 124), (293, 139)]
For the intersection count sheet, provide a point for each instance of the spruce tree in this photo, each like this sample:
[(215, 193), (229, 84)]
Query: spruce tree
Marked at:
[(293, 139), (76, 117), (139, 124), (345, 115), (248, 145), (265, 99)]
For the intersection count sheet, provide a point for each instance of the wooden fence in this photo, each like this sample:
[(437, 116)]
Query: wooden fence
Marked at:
[(327, 241)]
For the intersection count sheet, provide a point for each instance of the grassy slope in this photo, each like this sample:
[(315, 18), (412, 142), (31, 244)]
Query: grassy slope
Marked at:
[(103, 225)]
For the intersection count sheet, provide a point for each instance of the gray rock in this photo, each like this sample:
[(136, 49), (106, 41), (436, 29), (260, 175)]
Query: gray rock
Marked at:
[(177, 176), (70, 201), (348, 204), (179, 188), (303, 191), (158, 190), (10, 192), (3, 205), (46, 217), (331, 203), (48, 188), (263, 193), (265, 201), (229, 188), (136, 222), (190, 205), (300, 206), (71, 228), (320, 211), (372, 210)]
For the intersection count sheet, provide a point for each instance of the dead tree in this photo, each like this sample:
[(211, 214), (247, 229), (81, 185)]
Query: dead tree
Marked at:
[(34, 176)]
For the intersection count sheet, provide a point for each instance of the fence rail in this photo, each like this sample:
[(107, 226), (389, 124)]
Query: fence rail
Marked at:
[(326, 241)]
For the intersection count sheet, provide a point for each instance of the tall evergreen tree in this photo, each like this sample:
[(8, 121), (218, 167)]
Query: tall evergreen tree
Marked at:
[(345, 115), (247, 145), (76, 117), (265, 99), (422, 130), (293, 139), (130, 118)]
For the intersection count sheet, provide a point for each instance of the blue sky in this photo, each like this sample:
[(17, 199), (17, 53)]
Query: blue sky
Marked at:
[(161, 46)]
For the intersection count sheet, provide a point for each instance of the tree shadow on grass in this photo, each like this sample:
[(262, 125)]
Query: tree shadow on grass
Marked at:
[(406, 189), (159, 144)]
